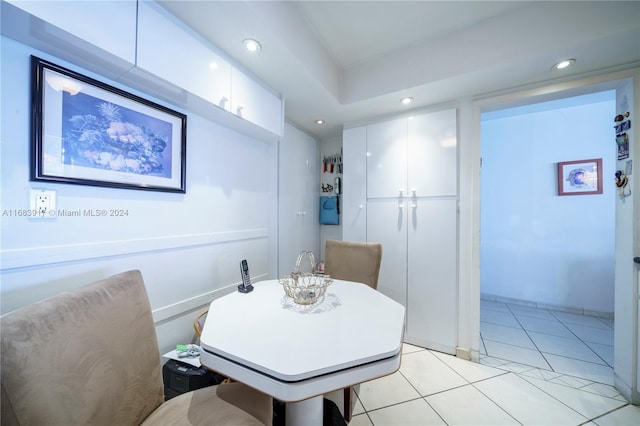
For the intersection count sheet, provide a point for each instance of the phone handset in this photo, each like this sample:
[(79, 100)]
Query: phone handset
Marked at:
[(246, 286)]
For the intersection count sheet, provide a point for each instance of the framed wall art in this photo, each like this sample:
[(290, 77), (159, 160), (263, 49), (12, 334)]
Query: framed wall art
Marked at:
[(580, 177), (89, 133)]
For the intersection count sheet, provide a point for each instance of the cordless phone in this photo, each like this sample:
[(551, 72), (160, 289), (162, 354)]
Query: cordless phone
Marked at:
[(246, 286)]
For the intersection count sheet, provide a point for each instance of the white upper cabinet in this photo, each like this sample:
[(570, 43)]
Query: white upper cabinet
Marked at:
[(255, 103), (413, 157), (432, 154), (387, 159), (169, 50), (109, 25), (142, 45)]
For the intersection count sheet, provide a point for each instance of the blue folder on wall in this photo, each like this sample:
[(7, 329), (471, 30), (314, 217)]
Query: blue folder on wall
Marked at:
[(329, 211)]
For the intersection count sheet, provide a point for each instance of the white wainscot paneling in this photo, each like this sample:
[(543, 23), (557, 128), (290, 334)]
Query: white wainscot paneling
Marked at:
[(22, 269), (182, 274)]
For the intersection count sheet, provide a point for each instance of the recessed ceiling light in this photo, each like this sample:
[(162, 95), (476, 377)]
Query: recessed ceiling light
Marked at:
[(407, 100), (252, 45), (563, 64), (319, 121), (213, 65)]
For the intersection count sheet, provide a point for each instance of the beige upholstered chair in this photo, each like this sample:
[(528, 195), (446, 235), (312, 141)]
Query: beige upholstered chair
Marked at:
[(198, 325), (352, 261), (90, 357)]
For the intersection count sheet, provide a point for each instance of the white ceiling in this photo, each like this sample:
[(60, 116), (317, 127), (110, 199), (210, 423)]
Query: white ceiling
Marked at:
[(348, 61)]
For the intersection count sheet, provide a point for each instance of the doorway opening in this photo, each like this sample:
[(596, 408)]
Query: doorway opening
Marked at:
[(547, 261)]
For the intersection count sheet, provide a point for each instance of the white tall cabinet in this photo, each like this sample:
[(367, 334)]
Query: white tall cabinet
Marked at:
[(298, 200), (400, 189)]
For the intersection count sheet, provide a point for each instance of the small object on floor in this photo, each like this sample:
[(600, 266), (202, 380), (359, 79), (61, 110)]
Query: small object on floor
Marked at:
[(179, 377), (188, 351)]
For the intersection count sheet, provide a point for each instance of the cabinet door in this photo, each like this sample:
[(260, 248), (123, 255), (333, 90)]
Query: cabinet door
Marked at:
[(171, 51), (387, 159), (354, 184), (255, 103), (109, 25), (298, 200), (432, 274), (387, 224), (432, 154)]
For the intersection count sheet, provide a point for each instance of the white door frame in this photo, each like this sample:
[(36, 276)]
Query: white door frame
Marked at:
[(627, 288)]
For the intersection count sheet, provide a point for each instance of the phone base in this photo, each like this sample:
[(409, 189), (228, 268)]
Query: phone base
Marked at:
[(243, 289)]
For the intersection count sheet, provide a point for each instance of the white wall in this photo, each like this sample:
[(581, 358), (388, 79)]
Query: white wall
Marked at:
[(188, 246), (535, 245)]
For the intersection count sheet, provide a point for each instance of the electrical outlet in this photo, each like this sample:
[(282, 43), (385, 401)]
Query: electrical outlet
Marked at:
[(42, 203)]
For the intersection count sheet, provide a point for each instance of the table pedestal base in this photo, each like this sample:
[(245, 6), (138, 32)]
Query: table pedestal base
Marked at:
[(305, 413)]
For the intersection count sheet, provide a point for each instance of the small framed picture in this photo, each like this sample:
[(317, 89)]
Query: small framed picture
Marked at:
[(582, 177), (86, 132), (623, 146)]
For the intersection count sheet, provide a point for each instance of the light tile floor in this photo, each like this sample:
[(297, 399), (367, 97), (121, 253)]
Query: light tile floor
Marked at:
[(561, 342), (537, 367)]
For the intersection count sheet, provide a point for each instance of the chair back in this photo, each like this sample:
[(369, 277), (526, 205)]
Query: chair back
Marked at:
[(85, 357), (198, 324), (352, 261)]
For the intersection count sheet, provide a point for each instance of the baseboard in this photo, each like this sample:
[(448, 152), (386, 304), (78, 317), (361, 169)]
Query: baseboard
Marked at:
[(540, 305), (623, 388), (463, 353)]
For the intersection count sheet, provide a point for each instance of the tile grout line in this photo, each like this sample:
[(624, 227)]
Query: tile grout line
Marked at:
[(604, 414), (424, 398), (534, 343), (469, 383), (566, 405), (522, 376), (494, 402), (558, 320), (583, 342)]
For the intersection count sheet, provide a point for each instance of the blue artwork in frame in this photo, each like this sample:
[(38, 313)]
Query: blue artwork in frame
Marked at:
[(582, 177), (86, 132), (103, 135)]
